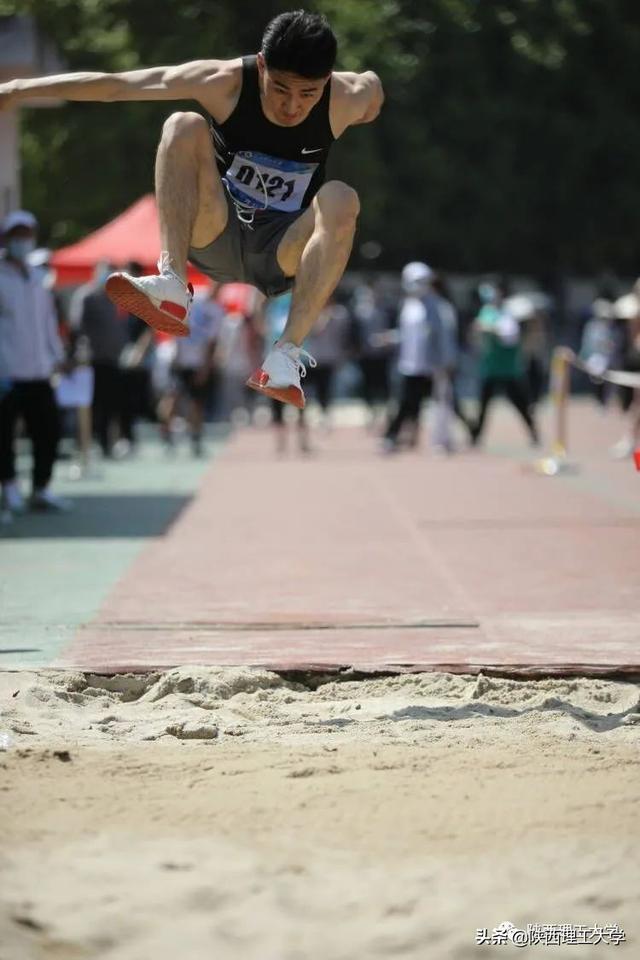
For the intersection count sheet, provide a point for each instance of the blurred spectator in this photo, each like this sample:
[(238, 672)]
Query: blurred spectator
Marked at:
[(136, 364), (501, 360), (326, 343), (535, 349), (598, 345), (92, 314), (625, 311), (238, 353), (196, 376), (40, 259), (370, 344), (74, 396), (164, 386), (448, 403), (276, 314), (628, 309), (422, 351), (30, 352)]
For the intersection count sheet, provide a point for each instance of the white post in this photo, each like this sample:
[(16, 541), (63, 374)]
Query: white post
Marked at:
[(9, 161), (560, 373)]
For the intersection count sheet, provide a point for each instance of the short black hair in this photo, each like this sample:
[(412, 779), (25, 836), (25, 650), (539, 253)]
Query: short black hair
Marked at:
[(300, 42)]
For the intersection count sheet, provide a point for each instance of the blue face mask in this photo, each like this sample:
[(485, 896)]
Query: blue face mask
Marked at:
[(19, 248)]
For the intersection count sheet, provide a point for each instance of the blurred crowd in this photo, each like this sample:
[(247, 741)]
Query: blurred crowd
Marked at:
[(611, 341), (73, 367)]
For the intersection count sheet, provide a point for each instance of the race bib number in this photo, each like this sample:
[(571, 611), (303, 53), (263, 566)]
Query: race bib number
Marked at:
[(261, 181)]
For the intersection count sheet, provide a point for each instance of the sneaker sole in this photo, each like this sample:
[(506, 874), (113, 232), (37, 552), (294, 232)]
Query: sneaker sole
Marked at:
[(292, 395), (126, 296)]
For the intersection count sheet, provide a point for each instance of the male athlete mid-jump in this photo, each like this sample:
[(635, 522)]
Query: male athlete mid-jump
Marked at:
[(241, 190)]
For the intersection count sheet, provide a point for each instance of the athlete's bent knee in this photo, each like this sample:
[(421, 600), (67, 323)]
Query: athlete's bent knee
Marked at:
[(340, 201), (184, 126)]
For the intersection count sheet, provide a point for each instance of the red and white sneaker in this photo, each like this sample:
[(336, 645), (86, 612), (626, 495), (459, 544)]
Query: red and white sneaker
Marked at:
[(162, 300), (280, 373)]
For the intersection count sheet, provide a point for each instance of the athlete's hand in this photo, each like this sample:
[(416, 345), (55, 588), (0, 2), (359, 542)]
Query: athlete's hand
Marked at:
[(7, 96)]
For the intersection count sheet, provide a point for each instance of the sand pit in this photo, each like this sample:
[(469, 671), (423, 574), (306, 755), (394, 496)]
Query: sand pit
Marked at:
[(205, 813)]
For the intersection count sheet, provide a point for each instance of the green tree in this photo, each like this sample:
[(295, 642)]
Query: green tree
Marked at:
[(508, 140)]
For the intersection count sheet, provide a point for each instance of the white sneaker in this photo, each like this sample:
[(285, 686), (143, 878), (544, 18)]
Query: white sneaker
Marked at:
[(46, 501), (622, 449), (162, 300), (12, 499), (280, 373)]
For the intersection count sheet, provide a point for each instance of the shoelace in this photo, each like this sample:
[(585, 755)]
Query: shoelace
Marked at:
[(298, 363), (245, 213), (310, 360)]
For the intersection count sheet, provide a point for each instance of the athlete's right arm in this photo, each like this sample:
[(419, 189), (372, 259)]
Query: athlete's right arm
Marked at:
[(188, 81)]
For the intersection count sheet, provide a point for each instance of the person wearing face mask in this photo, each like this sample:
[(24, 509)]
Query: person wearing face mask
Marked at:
[(422, 352), (30, 352)]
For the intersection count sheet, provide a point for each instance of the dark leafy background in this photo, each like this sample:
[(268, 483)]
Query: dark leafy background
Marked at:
[(509, 140)]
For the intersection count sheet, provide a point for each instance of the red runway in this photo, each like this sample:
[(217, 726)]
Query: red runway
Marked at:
[(348, 559)]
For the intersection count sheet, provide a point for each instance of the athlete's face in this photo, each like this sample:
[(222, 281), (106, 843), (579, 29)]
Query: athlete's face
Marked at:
[(287, 98)]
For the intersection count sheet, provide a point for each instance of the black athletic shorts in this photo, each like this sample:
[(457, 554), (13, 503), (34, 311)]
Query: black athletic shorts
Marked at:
[(248, 253)]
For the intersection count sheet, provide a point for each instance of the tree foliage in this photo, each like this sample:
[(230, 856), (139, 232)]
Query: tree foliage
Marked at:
[(509, 138)]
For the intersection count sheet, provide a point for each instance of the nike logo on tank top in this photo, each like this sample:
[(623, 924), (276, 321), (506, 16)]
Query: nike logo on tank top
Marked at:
[(267, 167)]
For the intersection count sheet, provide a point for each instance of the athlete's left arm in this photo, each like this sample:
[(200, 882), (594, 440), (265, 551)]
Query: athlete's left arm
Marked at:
[(359, 97)]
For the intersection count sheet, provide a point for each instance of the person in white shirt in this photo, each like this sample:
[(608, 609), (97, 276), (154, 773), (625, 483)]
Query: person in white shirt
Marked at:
[(30, 352), (421, 351)]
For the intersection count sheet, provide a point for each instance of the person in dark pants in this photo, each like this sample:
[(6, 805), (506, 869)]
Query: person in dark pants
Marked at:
[(195, 363), (414, 391), (501, 361), (94, 316), (628, 309), (30, 352), (447, 385), (34, 402), (136, 362), (369, 340), (421, 351), (277, 418), (327, 344), (321, 379)]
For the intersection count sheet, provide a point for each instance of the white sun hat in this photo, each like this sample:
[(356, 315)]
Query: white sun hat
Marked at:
[(18, 218)]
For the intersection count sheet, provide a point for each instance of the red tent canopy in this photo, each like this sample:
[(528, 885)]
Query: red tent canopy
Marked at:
[(134, 235)]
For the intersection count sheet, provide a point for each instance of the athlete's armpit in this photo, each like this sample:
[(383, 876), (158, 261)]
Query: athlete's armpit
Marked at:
[(371, 95)]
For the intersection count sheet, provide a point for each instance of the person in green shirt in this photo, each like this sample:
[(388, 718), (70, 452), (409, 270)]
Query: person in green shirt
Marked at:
[(501, 363)]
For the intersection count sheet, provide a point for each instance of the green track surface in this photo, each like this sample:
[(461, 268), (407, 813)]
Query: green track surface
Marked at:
[(57, 569)]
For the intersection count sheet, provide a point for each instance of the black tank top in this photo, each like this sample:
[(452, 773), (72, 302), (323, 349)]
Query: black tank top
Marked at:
[(267, 167)]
